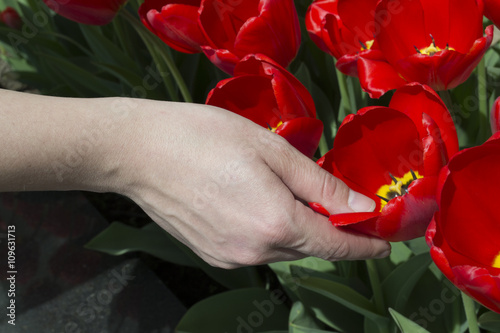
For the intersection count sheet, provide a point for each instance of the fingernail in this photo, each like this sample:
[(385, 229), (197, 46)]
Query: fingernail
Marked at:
[(384, 254), (360, 203)]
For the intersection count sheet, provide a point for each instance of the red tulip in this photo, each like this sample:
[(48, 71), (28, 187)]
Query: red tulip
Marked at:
[(267, 94), (93, 12), (344, 29), (393, 155), (464, 233), (437, 43), (495, 116), (492, 11), (236, 28), (175, 22), (11, 18)]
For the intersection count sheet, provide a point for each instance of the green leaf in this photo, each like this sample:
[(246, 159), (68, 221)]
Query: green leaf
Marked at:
[(405, 324), (241, 310), (417, 245), (302, 320), (490, 321), (399, 253), (118, 239), (105, 50), (398, 286), (343, 295), (79, 77)]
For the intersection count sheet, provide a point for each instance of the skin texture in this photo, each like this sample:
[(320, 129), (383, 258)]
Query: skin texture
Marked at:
[(229, 189)]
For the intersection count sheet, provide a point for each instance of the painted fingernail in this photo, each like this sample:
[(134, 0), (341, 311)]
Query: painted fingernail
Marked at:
[(359, 202)]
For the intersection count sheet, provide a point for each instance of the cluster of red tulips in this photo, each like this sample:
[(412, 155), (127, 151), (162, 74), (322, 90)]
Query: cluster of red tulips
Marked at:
[(406, 156)]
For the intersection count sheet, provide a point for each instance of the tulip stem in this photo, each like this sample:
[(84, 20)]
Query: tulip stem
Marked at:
[(378, 297), (483, 102), (154, 43), (470, 313), (345, 98), (323, 145)]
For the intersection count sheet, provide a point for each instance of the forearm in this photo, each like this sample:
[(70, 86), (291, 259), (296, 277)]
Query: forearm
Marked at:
[(50, 143)]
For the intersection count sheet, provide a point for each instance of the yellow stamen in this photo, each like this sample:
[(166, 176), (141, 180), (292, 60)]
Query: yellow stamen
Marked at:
[(496, 261), (368, 45), (273, 129), (396, 188)]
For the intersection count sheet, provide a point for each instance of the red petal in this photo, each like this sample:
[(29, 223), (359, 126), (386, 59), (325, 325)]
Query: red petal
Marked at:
[(221, 58), (318, 208), (358, 17), (175, 24), (414, 99), (495, 116), (481, 284), (469, 211), (404, 29), (250, 96), (221, 21), (93, 12), (407, 217), (376, 75), (435, 155), (466, 24), (374, 143), (302, 133), (492, 11), (293, 98), (266, 34)]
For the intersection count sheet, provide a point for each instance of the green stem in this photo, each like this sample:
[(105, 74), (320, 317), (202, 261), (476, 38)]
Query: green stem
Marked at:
[(470, 313), (483, 102), (378, 297), (163, 53), (345, 99), (323, 145)]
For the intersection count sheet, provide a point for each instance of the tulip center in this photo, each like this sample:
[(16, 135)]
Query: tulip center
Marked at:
[(432, 48), (368, 45), (397, 188), (273, 129), (496, 261)]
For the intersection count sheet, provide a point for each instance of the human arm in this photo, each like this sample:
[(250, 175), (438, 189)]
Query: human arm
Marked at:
[(229, 189)]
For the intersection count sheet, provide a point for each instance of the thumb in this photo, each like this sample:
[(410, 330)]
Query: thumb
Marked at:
[(310, 183)]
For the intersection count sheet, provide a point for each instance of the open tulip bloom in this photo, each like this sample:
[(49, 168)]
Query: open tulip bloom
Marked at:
[(226, 31), (393, 155), (267, 94), (464, 235), (437, 43)]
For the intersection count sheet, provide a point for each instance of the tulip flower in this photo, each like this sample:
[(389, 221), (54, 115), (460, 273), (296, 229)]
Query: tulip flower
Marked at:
[(175, 22), (267, 94), (226, 31), (11, 18), (345, 29), (464, 234), (93, 12), (434, 43), (495, 116), (238, 28), (393, 155), (492, 11)]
